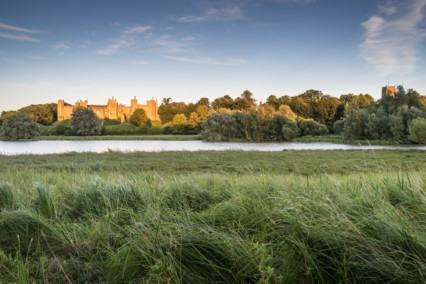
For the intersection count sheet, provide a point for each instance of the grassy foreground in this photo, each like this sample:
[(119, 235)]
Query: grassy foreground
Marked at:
[(122, 221)]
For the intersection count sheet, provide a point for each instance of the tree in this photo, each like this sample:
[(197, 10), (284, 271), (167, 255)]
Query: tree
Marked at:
[(417, 130), (42, 114), (273, 101), (219, 127), (139, 118), (85, 122), (301, 108), (194, 119), (19, 126), (179, 119), (353, 122)]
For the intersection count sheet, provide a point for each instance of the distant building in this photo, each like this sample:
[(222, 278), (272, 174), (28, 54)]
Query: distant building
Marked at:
[(388, 91), (111, 110)]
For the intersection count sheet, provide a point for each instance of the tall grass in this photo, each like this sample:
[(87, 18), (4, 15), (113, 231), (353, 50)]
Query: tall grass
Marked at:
[(212, 227)]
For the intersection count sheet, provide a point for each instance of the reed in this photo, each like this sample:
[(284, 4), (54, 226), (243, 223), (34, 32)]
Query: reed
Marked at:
[(212, 227)]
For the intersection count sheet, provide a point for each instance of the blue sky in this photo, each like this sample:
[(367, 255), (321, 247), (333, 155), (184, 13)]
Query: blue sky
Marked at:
[(96, 49)]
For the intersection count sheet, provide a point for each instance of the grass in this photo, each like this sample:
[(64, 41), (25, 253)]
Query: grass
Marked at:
[(303, 162), (214, 217), (339, 139)]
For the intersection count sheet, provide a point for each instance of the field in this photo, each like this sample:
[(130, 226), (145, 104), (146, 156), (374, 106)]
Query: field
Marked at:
[(214, 217)]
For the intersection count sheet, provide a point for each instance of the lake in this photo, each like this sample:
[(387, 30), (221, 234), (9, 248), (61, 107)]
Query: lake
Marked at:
[(56, 147)]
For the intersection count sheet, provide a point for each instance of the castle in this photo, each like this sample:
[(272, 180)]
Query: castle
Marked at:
[(112, 110), (388, 91)]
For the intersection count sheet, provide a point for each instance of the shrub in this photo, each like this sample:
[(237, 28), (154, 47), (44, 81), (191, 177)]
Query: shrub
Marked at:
[(417, 129), (338, 126), (62, 127), (85, 122), (139, 118), (19, 126), (108, 121), (218, 127), (313, 128)]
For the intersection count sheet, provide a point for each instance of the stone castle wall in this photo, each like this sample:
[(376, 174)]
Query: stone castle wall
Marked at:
[(112, 110)]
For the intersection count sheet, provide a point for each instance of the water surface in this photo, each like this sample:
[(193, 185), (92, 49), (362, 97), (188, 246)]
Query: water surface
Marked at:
[(56, 147)]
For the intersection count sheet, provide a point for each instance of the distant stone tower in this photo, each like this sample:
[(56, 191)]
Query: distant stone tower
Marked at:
[(388, 91)]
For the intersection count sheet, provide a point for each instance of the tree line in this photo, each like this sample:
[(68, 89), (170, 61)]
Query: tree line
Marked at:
[(313, 113)]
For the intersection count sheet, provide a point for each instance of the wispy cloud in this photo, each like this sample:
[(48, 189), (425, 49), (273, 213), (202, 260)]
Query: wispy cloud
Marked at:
[(17, 29), (166, 44), (61, 45), (127, 38), (208, 61), (18, 37), (393, 36), (215, 14)]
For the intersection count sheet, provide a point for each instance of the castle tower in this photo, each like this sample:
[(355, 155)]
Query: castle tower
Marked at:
[(112, 108), (133, 105), (60, 113), (388, 91)]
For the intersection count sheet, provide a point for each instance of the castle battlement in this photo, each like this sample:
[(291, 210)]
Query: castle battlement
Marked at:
[(112, 110)]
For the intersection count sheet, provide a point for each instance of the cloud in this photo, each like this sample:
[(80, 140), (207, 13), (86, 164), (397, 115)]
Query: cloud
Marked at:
[(166, 44), (127, 38), (393, 36), (19, 37), (216, 14), (137, 29), (61, 45), (208, 61), (17, 29)]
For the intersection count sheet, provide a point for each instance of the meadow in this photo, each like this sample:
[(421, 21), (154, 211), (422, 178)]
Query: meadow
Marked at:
[(214, 217)]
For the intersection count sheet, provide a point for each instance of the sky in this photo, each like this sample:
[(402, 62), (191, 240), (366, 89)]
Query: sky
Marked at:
[(188, 49)]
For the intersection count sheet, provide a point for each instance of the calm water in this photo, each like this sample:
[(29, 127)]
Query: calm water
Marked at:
[(54, 147)]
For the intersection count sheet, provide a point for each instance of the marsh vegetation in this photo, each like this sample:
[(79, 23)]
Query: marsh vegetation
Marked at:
[(218, 217)]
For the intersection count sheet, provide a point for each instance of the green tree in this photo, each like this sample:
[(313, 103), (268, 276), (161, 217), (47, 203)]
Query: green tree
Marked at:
[(225, 102), (353, 122), (301, 107), (219, 127), (180, 119), (19, 126), (310, 127), (139, 118), (338, 126), (41, 114), (417, 130), (273, 101), (85, 122)]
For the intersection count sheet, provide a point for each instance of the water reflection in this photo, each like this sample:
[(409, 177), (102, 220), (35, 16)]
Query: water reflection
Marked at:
[(55, 147)]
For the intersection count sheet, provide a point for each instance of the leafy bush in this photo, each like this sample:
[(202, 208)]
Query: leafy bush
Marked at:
[(139, 118), (19, 126), (313, 128), (218, 127), (417, 130), (108, 121), (85, 122), (338, 126)]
